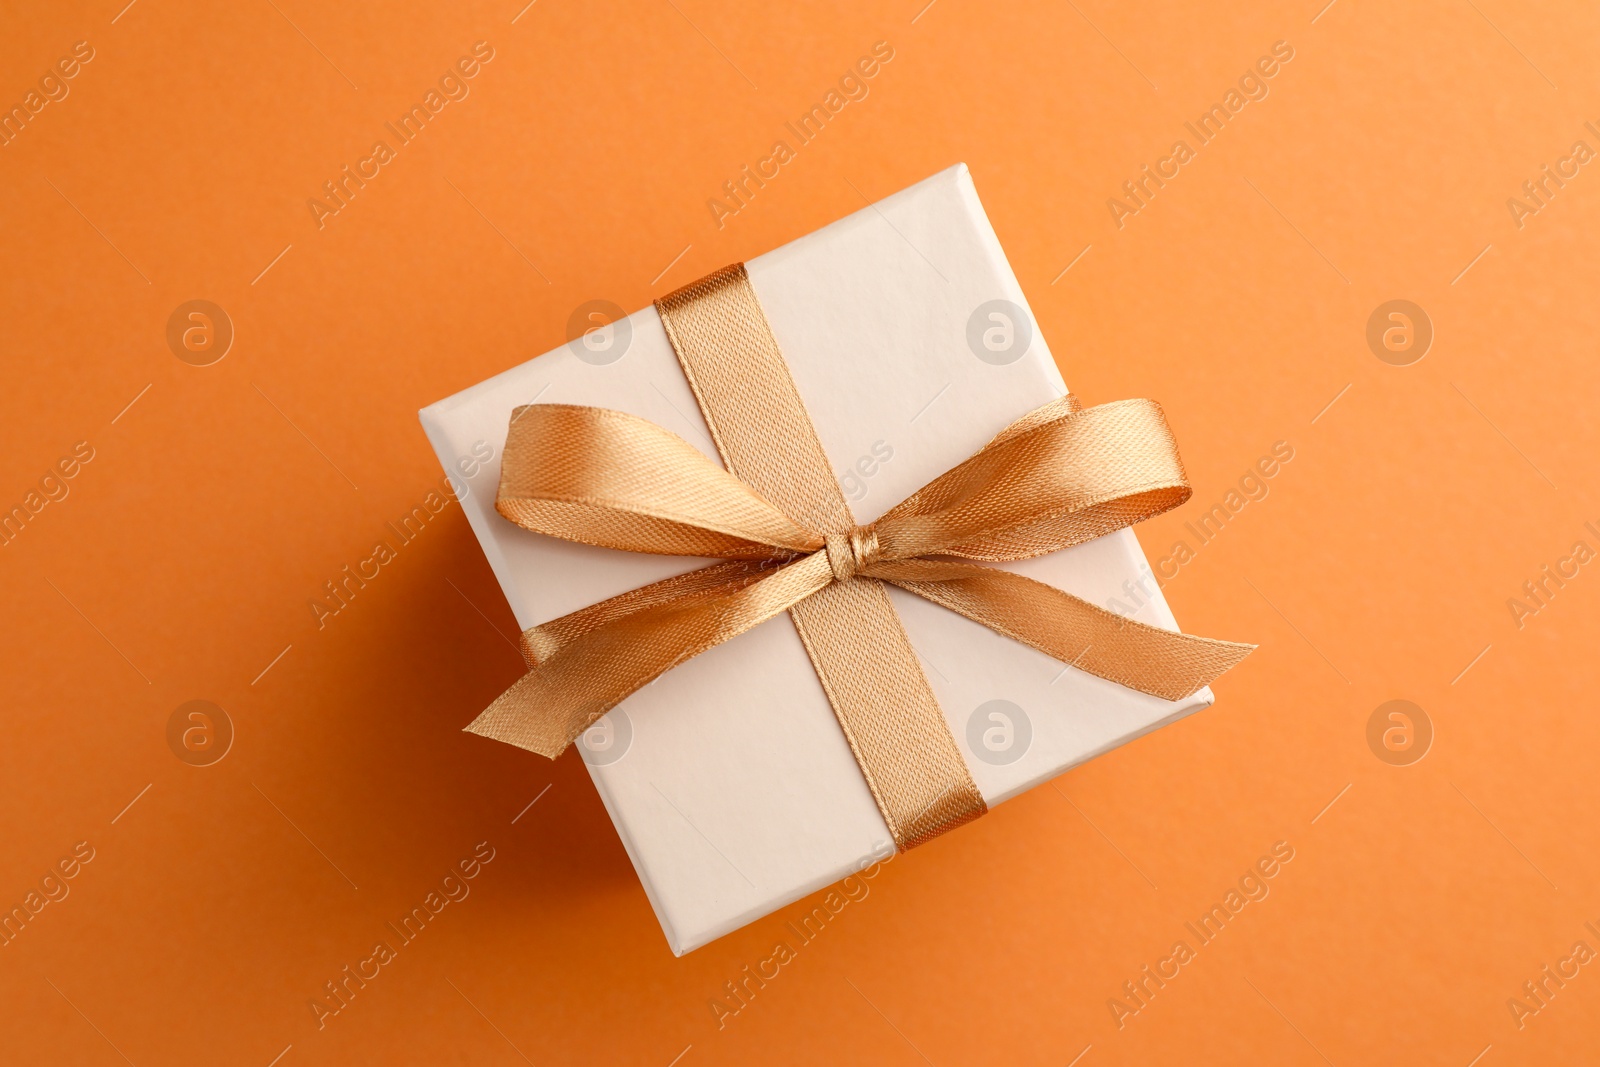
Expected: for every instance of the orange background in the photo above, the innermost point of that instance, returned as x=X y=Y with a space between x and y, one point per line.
x=182 y=561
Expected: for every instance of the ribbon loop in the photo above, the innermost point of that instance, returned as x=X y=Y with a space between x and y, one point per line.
x=615 y=480
x=1057 y=477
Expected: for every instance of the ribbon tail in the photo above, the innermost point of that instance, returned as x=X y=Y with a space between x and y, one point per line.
x=588 y=662
x=1163 y=663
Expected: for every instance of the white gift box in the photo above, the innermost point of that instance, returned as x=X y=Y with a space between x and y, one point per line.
x=729 y=779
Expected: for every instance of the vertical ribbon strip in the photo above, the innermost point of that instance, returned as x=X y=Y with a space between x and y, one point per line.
x=850 y=629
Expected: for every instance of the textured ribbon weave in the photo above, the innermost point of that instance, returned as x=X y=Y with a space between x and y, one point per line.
x=776 y=517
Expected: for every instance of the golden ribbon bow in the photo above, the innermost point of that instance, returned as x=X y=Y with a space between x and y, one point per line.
x=1059 y=476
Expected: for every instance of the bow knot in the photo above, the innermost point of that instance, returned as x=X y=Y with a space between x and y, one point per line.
x=851 y=553
x=1057 y=477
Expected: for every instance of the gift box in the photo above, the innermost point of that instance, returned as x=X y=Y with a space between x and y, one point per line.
x=729 y=779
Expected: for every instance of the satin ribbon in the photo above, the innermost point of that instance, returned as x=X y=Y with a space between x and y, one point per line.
x=1059 y=476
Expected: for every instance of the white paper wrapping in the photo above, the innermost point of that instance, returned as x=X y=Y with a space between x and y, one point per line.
x=729 y=779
